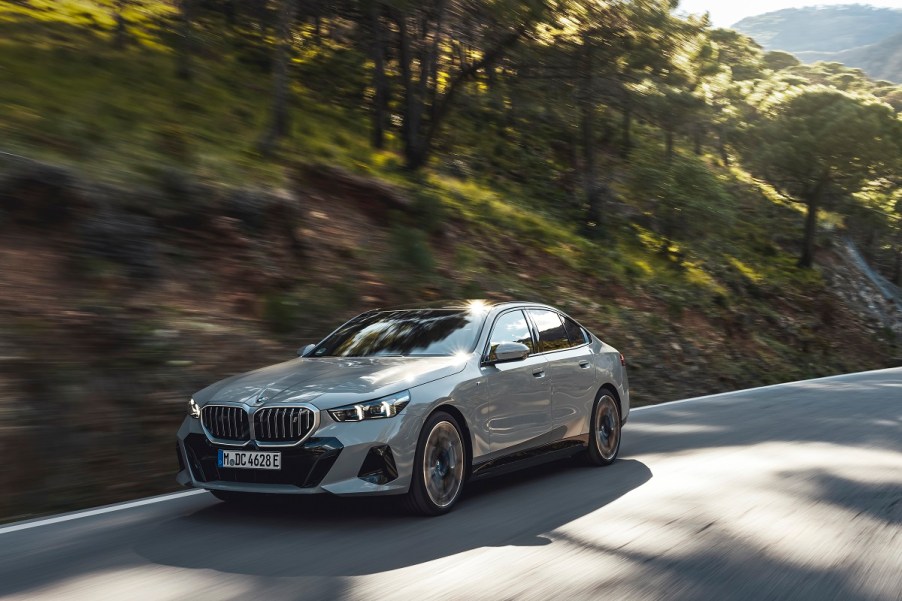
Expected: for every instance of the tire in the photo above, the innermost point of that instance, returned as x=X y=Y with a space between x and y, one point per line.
x=439 y=468
x=604 y=431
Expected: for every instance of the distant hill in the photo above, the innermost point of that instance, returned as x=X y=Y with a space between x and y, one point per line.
x=882 y=60
x=856 y=35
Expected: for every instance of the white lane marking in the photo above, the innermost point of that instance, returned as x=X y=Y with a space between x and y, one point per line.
x=100 y=510
x=667 y=404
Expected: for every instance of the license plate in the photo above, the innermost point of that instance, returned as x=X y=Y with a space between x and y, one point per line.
x=254 y=460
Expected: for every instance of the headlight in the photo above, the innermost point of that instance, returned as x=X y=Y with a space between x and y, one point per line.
x=193 y=409
x=388 y=406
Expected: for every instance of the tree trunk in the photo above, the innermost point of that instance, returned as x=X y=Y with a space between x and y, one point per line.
x=668 y=140
x=121 y=33
x=184 y=68
x=813 y=200
x=380 y=81
x=422 y=95
x=408 y=124
x=426 y=106
x=722 y=147
x=807 y=258
x=587 y=109
x=626 y=132
x=228 y=11
x=897 y=266
x=279 y=122
x=317 y=25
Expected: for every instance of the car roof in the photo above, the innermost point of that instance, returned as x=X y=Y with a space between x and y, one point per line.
x=457 y=304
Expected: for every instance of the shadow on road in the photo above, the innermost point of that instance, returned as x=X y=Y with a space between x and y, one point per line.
x=330 y=536
x=748 y=418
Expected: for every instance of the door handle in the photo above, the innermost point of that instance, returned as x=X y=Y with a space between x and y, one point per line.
x=584 y=364
x=539 y=373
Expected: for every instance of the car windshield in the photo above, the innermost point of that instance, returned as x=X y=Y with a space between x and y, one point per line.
x=416 y=333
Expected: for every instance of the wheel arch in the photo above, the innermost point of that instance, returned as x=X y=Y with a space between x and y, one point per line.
x=465 y=430
x=608 y=387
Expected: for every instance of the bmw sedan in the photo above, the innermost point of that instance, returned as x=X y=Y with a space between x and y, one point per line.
x=411 y=402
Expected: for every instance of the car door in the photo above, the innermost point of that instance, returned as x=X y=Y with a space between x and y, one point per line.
x=517 y=414
x=571 y=368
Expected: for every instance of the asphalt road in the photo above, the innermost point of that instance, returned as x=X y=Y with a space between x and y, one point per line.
x=789 y=492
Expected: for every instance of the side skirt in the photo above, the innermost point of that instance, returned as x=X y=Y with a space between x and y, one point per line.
x=519 y=460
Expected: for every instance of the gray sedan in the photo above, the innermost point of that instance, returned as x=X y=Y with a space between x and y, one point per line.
x=412 y=402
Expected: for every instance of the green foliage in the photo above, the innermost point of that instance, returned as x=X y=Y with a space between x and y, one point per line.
x=428 y=211
x=280 y=312
x=411 y=253
x=817 y=137
x=289 y=313
x=777 y=60
x=510 y=163
x=685 y=198
x=335 y=74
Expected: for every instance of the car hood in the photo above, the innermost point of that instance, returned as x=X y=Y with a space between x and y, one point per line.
x=338 y=380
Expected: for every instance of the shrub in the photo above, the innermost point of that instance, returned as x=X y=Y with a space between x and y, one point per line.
x=685 y=197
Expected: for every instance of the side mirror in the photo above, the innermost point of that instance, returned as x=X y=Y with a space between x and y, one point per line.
x=507 y=352
x=302 y=352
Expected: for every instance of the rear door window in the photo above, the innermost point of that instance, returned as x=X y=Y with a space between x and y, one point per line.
x=552 y=336
x=575 y=333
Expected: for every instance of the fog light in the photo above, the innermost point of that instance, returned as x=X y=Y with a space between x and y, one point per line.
x=379 y=466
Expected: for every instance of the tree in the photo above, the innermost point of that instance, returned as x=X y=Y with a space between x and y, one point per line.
x=378 y=49
x=734 y=64
x=611 y=45
x=816 y=142
x=278 y=126
x=777 y=60
x=672 y=93
x=184 y=68
x=874 y=218
x=684 y=197
x=442 y=45
x=118 y=16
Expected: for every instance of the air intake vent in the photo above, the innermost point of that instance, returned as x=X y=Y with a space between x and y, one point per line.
x=226 y=423
x=282 y=424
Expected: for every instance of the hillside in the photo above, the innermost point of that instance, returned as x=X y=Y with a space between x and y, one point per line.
x=855 y=35
x=882 y=60
x=822 y=28
x=150 y=245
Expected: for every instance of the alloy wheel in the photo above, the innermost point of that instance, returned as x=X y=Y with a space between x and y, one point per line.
x=443 y=464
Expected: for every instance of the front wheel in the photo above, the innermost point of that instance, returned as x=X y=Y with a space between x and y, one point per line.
x=604 y=432
x=439 y=467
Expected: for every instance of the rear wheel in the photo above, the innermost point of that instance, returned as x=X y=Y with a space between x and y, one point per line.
x=439 y=466
x=604 y=432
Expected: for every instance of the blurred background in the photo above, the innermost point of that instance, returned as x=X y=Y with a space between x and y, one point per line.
x=194 y=188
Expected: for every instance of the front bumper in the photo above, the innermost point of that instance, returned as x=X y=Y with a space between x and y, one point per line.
x=303 y=466
x=361 y=458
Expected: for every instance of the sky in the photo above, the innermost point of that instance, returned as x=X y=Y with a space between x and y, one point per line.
x=725 y=13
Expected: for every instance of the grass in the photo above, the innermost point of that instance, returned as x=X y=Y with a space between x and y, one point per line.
x=69 y=96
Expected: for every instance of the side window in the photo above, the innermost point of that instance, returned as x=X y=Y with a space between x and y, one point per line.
x=552 y=336
x=576 y=334
x=510 y=327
